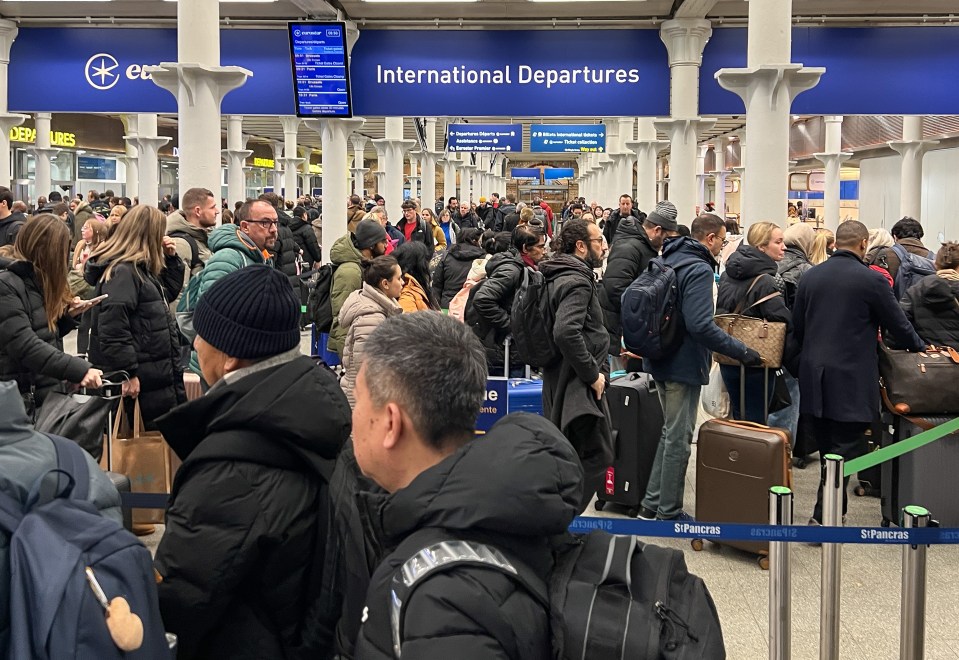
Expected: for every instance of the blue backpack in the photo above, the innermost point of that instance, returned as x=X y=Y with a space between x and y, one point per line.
x=912 y=268
x=54 y=613
x=651 y=311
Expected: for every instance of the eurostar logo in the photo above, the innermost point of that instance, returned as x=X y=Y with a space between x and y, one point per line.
x=101 y=71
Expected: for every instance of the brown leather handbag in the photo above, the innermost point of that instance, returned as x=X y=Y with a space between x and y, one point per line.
x=765 y=337
x=925 y=383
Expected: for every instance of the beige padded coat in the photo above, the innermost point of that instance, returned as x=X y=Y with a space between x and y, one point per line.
x=361 y=313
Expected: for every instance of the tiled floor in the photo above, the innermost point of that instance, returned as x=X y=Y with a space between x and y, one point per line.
x=871 y=583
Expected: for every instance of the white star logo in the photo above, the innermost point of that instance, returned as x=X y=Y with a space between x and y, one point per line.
x=101 y=66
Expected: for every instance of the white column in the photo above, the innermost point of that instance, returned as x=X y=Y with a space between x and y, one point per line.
x=277 y=148
x=148 y=145
x=720 y=174
x=701 y=175
x=236 y=154
x=684 y=39
x=380 y=181
x=414 y=177
x=42 y=152
x=624 y=156
x=131 y=159
x=833 y=158
x=430 y=158
x=911 y=148
x=391 y=151
x=466 y=178
x=8 y=33
x=199 y=83
x=290 y=160
x=359 y=165
x=449 y=176
x=333 y=134
x=768 y=85
x=661 y=178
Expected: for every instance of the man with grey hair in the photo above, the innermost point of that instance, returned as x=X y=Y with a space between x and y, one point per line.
x=519 y=485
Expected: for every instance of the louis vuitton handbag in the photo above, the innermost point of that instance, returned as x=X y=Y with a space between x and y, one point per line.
x=765 y=337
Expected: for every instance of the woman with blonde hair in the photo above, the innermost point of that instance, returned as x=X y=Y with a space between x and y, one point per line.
x=751 y=275
x=821 y=246
x=92 y=234
x=133 y=329
x=37 y=310
x=116 y=213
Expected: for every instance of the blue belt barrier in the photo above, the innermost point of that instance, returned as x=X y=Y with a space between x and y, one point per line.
x=760 y=533
x=144 y=500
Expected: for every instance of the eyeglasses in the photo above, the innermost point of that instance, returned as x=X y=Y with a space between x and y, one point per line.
x=596 y=240
x=265 y=223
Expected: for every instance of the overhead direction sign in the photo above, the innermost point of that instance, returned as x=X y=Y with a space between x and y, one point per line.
x=485 y=137
x=567 y=138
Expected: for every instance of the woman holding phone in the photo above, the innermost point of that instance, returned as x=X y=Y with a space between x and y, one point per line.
x=133 y=329
x=37 y=311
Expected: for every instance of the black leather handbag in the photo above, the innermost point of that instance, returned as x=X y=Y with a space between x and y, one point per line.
x=79 y=417
x=922 y=383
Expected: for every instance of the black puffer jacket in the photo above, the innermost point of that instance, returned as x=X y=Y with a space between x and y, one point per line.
x=932 y=306
x=743 y=267
x=629 y=256
x=285 y=249
x=452 y=271
x=612 y=223
x=504 y=211
x=134 y=331
x=305 y=239
x=793 y=266
x=29 y=352
x=493 y=302
x=513 y=489
x=242 y=524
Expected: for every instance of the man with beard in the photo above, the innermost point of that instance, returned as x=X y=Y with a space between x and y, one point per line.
x=574 y=386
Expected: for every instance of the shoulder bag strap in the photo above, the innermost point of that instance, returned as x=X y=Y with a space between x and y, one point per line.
x=72 y=459
x=739 y=308
x=761 y=301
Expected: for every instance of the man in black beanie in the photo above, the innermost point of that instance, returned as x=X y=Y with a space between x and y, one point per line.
x=248 y=519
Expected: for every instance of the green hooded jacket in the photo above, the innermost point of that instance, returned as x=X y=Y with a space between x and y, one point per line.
x=347 y=279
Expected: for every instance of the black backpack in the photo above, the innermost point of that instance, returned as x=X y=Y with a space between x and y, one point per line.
x=531 y=321
x=607 y=596
x=8 y=233
x=650 y=313
x=319 y=303
x=195 y=261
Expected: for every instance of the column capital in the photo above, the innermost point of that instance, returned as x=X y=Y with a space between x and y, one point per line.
x=828 y=159
x=290 y=163
x=146 y=142
x=687 y=129
x=41 y=152
x=8 y=34
x=910 y=148
x=10 y=119
x=780 y=82
x=242 y=154
x=220 y=80
x=290 y=124
x=383 y=145
x=685 y=39
x=359 y=141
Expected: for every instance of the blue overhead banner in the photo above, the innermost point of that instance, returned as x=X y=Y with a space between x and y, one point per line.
x=553 y=173
x=567 y=138
x=885 y=70
x=466 y=73
x=524 y=172
x=484 y=137
x=462 y=73
x=101 y=70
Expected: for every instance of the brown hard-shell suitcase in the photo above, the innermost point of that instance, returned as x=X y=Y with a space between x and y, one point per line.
x=736 y=465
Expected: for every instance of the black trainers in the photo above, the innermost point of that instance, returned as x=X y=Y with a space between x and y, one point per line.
x=646 y=514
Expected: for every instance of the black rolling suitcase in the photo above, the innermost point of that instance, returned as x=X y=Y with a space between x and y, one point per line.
x=922 y=476
x=636 y=417
x=870 y=481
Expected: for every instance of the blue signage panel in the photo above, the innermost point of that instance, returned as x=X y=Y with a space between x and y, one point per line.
x=553 y=173
x=103 y=68
x=516 y=73
x=886 y=70
x=321 y=70
x=494 y=404
x=524 y=172
x=104 y=169
x=484 y=137
x=567 y=138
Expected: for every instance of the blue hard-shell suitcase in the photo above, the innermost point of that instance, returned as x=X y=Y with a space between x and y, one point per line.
x=318 y=348
x=525 y=395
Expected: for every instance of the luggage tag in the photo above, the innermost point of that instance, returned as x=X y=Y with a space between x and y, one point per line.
x=126 y=628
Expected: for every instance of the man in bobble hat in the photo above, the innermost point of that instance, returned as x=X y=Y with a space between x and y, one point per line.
x=347 y=254
x=248 y=511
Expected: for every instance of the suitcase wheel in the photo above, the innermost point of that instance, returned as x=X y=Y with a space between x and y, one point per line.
x=860 y=491
x=886 y=522
x=599 y=505
x=764 y=562
x=697 y=544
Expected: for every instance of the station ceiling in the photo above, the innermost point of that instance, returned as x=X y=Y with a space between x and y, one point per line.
x=480 y=14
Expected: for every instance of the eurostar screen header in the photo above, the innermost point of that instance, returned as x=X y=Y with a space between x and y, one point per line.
x=321 y=69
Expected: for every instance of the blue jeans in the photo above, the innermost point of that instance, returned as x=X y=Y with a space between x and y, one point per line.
x=667 y=481
x=788 y=417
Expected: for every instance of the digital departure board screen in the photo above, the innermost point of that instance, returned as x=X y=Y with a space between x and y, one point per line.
x=321 y=69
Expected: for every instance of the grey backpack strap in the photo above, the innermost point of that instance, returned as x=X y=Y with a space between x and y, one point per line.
x=449 y=555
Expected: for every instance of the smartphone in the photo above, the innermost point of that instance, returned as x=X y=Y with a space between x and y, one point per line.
x=94 y=301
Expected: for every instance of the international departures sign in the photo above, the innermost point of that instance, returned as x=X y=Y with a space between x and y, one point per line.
x=463 y=73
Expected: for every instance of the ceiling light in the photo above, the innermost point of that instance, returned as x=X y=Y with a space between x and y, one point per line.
x=424 y=2
x=225 y=1
x=587 y=0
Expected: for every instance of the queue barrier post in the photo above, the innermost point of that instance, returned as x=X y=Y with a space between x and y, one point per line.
x=831 y=559
x=912 y=631
x=780 y=584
